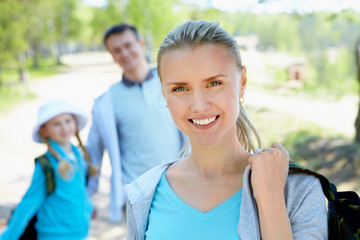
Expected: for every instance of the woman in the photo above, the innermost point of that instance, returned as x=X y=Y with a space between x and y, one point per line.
x=220 y=190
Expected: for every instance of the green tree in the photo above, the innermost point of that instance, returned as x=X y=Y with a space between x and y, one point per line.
x=102 y=18
x=154 y=19
x=12 y=32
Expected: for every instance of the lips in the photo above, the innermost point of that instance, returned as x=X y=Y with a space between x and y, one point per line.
x=203 y=122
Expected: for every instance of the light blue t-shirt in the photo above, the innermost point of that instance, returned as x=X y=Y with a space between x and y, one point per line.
x=172 y=218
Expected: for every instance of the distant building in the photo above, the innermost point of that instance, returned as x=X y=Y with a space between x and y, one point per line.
x=296 y=71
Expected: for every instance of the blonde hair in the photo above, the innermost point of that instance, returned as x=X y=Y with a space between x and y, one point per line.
x=64 y=166
x=192 y=34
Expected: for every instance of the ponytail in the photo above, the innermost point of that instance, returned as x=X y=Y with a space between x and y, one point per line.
x=93 y=171
x=64 y=166
x=245 y=131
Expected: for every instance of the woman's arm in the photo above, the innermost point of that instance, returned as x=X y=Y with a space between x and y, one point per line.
x=268 y=178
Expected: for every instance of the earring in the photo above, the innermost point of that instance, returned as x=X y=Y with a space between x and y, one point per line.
x=241 y=100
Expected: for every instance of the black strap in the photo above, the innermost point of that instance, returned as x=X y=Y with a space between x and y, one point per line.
x=345 y=204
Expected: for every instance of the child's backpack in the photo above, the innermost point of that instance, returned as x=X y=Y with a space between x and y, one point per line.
x=30 y=231
x=343 y=207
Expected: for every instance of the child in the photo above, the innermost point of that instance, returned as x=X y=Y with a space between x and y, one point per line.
x=66 y=212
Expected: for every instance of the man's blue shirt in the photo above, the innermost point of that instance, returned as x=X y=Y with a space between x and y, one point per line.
x=146 y=132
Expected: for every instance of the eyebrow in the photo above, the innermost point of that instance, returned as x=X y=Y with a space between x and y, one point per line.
x=205 y=80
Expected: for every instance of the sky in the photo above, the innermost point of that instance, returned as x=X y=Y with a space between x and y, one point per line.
x=270 y=6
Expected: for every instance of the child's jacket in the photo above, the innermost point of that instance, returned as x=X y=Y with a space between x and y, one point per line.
x=64 y=214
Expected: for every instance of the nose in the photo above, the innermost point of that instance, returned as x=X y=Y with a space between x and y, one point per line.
x=124 y=53
x=63 y=127
x=200 y=102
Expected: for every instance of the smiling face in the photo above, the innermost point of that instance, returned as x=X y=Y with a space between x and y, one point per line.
x=60 y=129
x=202 y=87
x=126 y=50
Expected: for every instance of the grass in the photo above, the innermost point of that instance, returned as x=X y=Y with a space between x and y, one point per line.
x=48 y=67
x=13 y=92
x=332 y=154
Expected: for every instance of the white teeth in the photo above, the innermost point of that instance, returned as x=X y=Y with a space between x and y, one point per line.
x=204 y=122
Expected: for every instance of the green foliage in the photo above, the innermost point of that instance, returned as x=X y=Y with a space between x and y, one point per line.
x=33 y=28
x=332 y=72
x=244 y=22
x=326 y=39
x=154 y=19
x=324 y=150
x=279 y=75
x=48 y=67
x=286 y=129
x=103 y=18
x=12 y=32
x=41 y=29
x=278 y=31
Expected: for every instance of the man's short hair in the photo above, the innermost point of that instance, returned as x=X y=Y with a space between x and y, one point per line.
x=119 y=29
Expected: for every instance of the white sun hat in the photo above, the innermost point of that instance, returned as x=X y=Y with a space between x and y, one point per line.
x=54 y=108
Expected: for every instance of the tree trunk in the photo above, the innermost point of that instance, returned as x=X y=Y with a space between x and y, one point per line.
x=357 y=121
x=22 y=70
x=36 y=49
x=1 y=83
x=59 y=46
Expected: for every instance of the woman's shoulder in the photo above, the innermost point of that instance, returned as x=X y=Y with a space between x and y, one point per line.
x=145 y=184
x=301 y=182
x=301 y=186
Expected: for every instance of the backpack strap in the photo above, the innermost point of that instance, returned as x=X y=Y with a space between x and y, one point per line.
x=48 y=172
x=325 y=183
x=87 y=173
x=343 y=207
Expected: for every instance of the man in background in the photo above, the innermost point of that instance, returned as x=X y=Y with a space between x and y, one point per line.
x=130 y=120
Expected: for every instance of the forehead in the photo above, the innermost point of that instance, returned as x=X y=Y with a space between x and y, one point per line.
x=121 y=38
x=61 y=117
x=204 y=60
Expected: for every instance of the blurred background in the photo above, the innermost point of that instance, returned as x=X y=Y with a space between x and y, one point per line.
x=302 y=58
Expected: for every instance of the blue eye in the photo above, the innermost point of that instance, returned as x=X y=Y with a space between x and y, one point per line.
x=214 y=83
x=179 y=89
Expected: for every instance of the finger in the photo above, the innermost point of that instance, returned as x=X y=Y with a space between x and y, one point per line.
x=279 y=147
x=282 y=150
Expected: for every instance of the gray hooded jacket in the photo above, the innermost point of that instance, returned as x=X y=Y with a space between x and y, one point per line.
x=304 y=197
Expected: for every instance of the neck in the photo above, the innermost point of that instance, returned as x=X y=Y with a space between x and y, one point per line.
x=66 y=147
x=139 y=73
x=218 y=159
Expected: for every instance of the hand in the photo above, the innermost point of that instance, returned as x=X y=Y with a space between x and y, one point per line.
x=94 y=214
x=269 y=171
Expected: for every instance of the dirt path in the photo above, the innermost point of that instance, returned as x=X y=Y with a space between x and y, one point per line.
x=88 y=77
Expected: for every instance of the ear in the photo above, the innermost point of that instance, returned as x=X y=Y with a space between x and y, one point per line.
x=142 y=42
x=243 y=82
x=42 y=131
